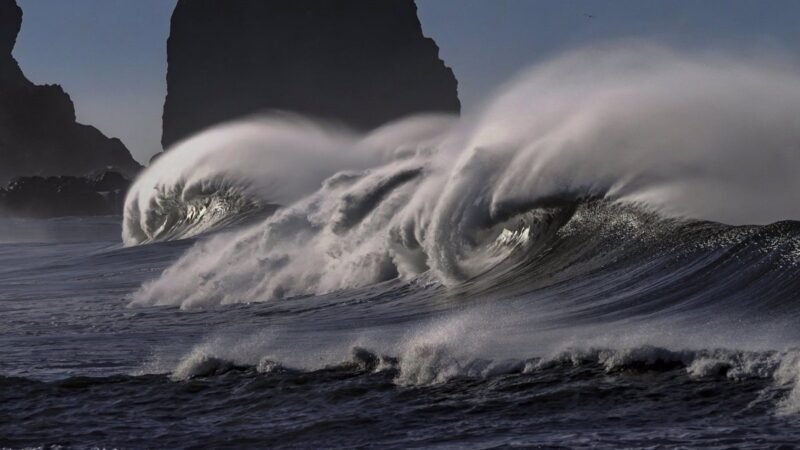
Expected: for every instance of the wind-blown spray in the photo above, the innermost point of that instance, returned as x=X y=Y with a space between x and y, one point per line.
x=694 y=137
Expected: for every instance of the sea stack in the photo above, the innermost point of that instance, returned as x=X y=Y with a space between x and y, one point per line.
x=38 y=131
x=360 y=63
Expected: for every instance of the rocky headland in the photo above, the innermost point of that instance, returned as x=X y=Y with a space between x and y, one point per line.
x=46 y=156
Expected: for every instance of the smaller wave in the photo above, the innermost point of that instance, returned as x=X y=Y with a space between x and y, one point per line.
x=781 y=367
x=432 y=364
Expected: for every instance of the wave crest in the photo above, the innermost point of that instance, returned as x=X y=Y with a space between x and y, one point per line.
x=697 y=136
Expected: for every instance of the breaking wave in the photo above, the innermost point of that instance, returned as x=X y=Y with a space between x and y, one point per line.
x=673 y=137
x=420 y=365
x=236 y=169
x=618 y=207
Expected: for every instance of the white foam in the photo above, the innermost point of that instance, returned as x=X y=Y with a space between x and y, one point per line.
x=705 y=136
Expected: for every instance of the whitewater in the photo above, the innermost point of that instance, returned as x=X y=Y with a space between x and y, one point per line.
x=606 y=253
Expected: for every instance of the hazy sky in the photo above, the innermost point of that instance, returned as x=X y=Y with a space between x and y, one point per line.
x=110 y=55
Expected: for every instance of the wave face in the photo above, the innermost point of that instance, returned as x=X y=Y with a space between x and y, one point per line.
x=683 y=137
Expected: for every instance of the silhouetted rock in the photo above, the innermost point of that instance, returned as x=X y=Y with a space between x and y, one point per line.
x=102 y=194
x=38 y=131
x=10 y=22
x=357 y=62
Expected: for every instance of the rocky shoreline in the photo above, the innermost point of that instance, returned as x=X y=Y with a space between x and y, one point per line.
x=45 y=197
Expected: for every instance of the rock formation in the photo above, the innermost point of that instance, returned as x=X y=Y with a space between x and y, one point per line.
x=38 y=131
x=357 y=62
x=38 y=197
x=10 y=22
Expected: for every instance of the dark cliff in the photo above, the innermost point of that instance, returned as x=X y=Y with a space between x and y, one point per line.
x=10 y=22
x=357 y=62
x=38 y=131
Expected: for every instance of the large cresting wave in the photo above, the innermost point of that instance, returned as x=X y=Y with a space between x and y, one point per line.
x=639 y=141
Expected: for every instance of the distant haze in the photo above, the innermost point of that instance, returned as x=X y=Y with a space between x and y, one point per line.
x=110 y=55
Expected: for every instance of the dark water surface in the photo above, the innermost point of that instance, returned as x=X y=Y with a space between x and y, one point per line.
x=350 y=406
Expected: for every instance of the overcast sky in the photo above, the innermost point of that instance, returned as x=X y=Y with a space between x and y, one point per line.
x=110 y=55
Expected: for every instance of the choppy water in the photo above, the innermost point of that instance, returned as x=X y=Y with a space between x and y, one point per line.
x=629 y=351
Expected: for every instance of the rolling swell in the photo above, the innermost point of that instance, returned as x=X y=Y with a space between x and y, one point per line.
x=547 y=405
x=661 y=264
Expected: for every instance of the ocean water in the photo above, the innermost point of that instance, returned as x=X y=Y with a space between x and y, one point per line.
x=593 y=353
x=606 y=255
